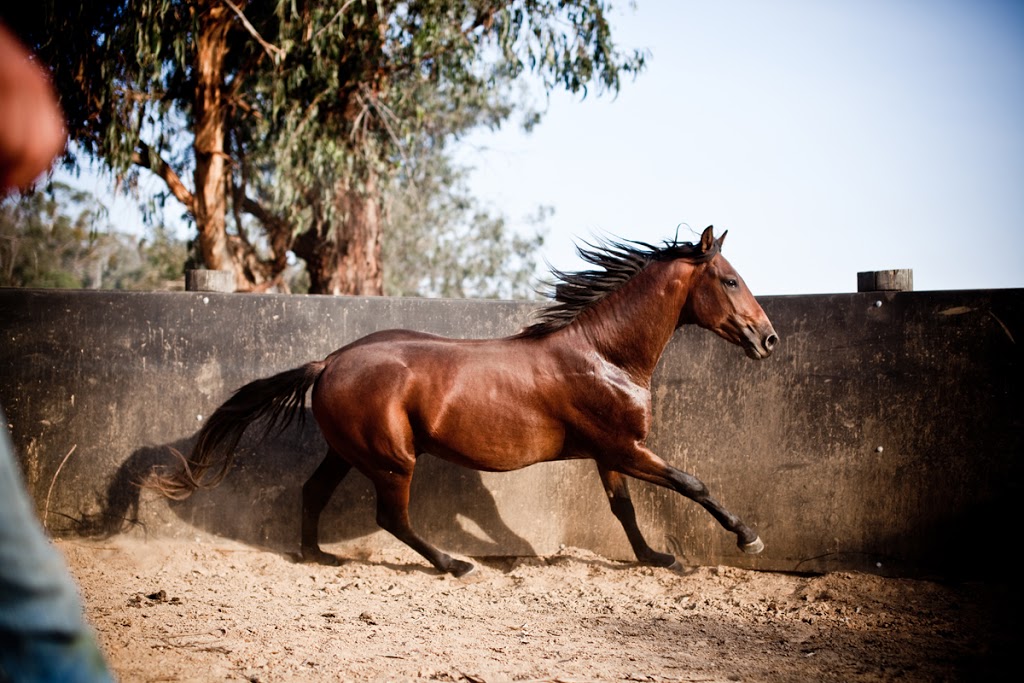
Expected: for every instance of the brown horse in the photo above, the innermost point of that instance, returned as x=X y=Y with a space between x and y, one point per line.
x=575 y=384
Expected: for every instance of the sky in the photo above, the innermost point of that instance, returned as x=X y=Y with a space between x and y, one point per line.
x=828 y=137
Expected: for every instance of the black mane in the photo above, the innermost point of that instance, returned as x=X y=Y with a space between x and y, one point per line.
x=619 y=261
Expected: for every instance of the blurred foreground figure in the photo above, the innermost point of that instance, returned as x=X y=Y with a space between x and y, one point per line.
x=31 y=123
x=43 y=636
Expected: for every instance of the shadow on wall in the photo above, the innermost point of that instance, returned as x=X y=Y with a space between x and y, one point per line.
x=259 y=501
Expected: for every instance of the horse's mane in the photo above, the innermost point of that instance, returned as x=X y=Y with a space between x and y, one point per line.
x=620 y=262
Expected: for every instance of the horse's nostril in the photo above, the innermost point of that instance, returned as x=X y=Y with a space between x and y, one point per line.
x=770 y=341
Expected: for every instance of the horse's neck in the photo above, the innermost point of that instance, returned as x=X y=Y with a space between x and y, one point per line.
x=632 y=326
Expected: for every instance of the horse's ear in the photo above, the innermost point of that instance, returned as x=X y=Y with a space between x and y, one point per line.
x=721 y=239
x=707 y=240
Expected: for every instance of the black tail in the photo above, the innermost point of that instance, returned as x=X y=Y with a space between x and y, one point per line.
x=277 y=400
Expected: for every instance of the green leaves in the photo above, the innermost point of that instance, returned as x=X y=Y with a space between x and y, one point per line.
x=313 y=96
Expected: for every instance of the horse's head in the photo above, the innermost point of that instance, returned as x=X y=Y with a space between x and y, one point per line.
x=719 y=301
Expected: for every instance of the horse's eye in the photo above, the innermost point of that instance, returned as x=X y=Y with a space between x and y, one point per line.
x=731 y=283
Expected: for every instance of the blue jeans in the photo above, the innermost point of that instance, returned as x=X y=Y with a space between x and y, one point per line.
x=43 y=636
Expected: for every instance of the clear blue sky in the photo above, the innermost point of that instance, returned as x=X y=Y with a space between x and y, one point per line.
x=828 y=137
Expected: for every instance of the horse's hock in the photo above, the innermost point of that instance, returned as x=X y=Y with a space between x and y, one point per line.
x=883 y=435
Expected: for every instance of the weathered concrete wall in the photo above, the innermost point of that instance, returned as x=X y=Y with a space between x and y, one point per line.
x=884 y=435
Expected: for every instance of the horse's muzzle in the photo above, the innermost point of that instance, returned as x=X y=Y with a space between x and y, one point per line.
x=760 y=342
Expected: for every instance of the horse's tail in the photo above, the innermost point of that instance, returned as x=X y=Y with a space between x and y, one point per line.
x=277 y=400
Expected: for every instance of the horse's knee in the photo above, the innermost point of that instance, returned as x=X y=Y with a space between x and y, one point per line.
x=689 y=485
x=622 y=507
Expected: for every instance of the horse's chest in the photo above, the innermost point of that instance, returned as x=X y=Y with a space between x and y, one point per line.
x=617 y=402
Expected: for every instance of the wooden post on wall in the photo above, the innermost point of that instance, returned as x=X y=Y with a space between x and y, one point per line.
x=200 y=280
x=896 y=280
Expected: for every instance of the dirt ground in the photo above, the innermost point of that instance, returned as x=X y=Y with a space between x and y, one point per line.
x=216 y=610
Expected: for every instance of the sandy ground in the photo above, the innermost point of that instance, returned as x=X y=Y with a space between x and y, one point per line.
x=217 y=610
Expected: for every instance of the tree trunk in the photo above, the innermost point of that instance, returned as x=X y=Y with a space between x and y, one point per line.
x=210 y=112
x=345 y=258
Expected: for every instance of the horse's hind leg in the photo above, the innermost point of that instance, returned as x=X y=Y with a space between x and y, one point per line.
x=315 y=493
x=616 y=487
x=393 y=516
x=647 y=466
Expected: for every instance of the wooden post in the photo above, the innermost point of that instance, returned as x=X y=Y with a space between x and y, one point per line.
x=209 y=281
x=897 y=280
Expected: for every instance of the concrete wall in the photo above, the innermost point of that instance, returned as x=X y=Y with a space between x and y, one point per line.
x=885 y=434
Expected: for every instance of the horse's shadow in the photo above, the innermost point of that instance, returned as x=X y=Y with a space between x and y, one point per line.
x=259 y=501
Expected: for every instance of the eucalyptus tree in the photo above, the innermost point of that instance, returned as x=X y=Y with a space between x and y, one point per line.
x=441 y=241
x=279 y=125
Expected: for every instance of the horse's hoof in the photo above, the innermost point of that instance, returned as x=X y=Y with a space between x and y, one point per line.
x=676 y=567
x=754 y=547
x=317 y=556
x=460 y=569
x=660 y=560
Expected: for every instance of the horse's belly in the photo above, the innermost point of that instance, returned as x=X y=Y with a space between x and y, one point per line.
x=495 y=440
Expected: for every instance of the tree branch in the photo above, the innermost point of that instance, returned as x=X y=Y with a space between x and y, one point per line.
x=279 y=231
x=145 y=157
x=334 y=18
x=273 y=51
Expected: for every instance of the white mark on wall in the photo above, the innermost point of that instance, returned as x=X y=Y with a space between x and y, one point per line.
x=209 y=379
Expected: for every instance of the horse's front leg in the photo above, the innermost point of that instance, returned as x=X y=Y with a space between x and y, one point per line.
x=616 y=487
x=644 y=464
